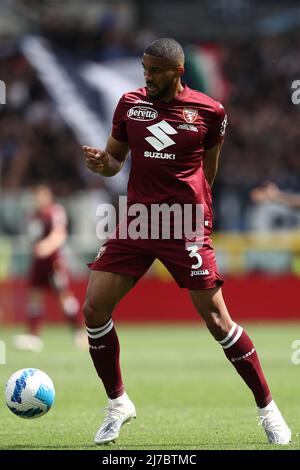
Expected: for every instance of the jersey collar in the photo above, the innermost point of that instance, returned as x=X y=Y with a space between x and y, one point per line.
x=181 y=97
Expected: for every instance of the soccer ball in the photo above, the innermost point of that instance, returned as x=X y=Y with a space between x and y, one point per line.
x=29 y=393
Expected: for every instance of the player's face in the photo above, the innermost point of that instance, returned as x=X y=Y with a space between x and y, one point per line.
x=43 y=197
x=160 y=75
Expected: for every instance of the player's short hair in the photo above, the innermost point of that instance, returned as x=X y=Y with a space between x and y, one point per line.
x=166 y=48
x=42 y=186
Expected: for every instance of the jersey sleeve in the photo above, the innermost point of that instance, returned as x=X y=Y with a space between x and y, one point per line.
x=217 y=128
x=119 y=129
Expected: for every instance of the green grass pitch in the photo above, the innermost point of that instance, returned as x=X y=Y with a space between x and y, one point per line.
x=186 y=393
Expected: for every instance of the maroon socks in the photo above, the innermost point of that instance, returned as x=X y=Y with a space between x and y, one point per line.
x=241 y=352
x=105 y=352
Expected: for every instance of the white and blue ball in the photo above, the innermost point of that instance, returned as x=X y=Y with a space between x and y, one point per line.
x=29 y=393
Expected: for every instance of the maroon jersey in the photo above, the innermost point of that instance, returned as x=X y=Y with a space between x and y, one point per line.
x=167 y=143
x=43 y=222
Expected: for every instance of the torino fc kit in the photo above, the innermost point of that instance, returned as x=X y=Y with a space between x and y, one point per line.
x=167 y=143
x=50 y=271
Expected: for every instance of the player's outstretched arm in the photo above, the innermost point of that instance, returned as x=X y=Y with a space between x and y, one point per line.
x=106 y=162
x=271 y=193
x=211 y=162
x=52 y=243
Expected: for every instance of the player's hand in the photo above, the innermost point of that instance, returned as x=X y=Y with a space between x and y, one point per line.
x=96 y=160
x=41 y=250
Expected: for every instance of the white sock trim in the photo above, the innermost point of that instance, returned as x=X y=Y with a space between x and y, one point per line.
x=96 y=333
x=270 y=406
x=121 y=400
x=99 y=328
x=229 y=334
x=235 y=339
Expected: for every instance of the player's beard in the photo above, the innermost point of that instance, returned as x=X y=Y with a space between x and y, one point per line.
x=163 y=92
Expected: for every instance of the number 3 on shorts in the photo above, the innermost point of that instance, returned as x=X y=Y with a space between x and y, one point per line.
x=193 y=253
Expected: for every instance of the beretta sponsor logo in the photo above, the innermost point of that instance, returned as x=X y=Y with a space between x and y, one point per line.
x=142 y=113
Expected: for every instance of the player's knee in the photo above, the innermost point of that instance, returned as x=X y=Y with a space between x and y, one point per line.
x=95 y=314
x=90 y=312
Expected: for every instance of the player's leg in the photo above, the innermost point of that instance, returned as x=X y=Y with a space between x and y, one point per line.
x=70 y=307
x=38 y=282
x=105 y=290
x=60 y=283
x=35 y=311
x=117 y=267
x=194 y=267
x=31 y=341
x=236 y=344
x=69 y=304
x=241 y=352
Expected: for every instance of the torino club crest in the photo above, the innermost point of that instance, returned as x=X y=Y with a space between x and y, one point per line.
x=190 y=114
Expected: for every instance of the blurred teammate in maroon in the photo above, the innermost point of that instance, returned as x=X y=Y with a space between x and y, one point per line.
x=175 y=135
x=47 y=230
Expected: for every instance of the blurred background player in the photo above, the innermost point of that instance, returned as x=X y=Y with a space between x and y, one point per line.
x=47 y=229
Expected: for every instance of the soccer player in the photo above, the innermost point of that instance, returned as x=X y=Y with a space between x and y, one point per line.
x=47 y=229
x=270 y=192
x=175 y=136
